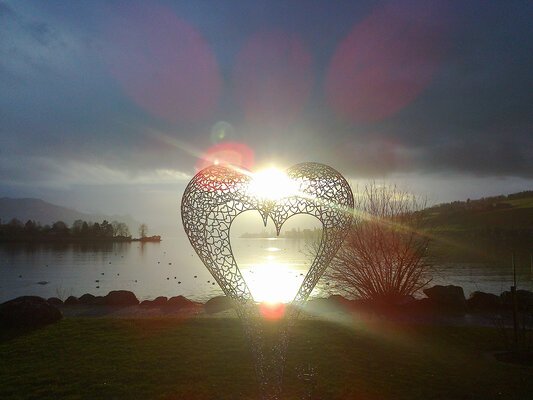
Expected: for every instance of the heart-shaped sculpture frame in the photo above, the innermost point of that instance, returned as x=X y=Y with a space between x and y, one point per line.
x=218 y=194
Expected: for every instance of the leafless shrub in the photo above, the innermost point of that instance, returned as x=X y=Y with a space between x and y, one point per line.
x=384 y=257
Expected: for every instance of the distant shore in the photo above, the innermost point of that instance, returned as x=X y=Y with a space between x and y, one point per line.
x=70 y=240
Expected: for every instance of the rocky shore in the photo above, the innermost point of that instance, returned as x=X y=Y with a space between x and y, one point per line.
x=442 y=305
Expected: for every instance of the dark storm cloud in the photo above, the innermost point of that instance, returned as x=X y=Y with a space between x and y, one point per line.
x=62 y=106
x=475 y=117
x=5 y=10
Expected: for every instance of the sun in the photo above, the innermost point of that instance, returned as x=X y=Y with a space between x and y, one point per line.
x=272 y=184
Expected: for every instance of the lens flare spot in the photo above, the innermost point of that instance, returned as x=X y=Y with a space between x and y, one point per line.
x=162 y=62
x=273 y=77
x=227 y=153
x=222 y=130
x=386 y=61
x=273 y=311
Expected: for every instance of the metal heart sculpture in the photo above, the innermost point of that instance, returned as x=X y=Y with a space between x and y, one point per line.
x=218 y=194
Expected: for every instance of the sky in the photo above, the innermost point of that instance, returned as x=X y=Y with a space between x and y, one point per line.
x=113 y=106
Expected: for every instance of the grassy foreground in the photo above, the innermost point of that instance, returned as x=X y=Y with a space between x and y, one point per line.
x=167 y=358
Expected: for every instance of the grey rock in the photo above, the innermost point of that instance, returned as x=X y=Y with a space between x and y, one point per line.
x=72 y=301
x=481 y=301
x=160 y=301
x=121 y=298
x=55 y=301
x=157 y=302
x=28 y=312
x=87 y=299
x=178 y=302
x=218 y=304
x=524 y=298
x=449 y=297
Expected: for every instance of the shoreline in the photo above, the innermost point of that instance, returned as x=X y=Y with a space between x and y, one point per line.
x=67 y=241
x=481 y=310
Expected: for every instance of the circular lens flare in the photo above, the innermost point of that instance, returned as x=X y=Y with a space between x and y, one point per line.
x=162 y=62
x=273 y=311
x=227 y=153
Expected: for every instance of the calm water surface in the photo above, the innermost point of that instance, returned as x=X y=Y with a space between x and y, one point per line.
x=172 y=268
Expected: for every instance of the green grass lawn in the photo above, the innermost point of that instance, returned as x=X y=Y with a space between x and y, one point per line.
x=167 y=358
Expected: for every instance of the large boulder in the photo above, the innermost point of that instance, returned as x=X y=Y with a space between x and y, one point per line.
x=160 y=301
x=28 y=312
x=341 y=301
x=157 y=302
x=87 y=299
x=178 y=302
x=420 y=306
x=72 y=301
x=524 y=298
x=449 y=298
x=120 y=298
x=55 y=301
x=481 y=301
x=218 y=304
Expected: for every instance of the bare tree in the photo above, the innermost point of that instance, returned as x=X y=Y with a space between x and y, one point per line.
x=384 y=256
x=143 y=230
x=120 y=229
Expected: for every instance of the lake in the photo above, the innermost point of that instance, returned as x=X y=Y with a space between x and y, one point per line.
x=171 y=268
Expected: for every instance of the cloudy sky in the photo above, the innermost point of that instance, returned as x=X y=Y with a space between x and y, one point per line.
x=113 y=106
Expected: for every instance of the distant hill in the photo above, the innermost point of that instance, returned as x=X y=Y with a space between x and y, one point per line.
x=508 y=212
x=47 y=213
x=489 y=228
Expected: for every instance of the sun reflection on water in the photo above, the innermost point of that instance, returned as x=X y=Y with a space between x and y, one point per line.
x=273 y=282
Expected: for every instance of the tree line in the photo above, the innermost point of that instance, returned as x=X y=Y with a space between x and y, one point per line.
x=86 y=230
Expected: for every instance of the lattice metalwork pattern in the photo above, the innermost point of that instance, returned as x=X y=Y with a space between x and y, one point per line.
x=218 y=194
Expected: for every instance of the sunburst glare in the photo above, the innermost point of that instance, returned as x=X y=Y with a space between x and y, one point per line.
x=272 y=184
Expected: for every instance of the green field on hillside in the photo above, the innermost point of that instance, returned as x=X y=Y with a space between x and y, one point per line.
x=484 y=230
